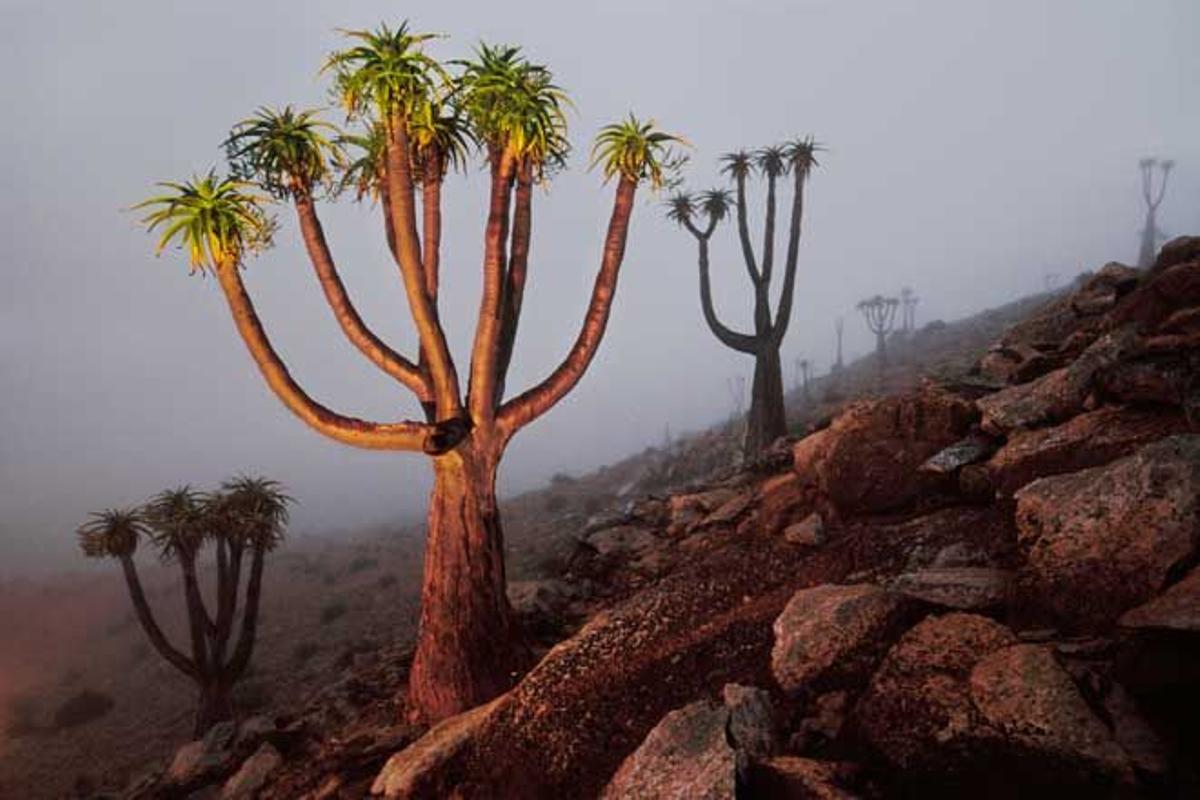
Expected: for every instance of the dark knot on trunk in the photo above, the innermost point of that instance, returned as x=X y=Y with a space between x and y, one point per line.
x=447 y=434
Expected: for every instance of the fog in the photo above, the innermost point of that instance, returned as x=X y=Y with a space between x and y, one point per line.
x=973 y=148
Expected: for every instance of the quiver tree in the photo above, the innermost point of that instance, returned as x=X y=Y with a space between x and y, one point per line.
x=880 y=315
x=416 y=121
x=1151 y=234
x=241 y=523
x=804 y=376
x=908 y=310
x=699 y=215
x=838 y=325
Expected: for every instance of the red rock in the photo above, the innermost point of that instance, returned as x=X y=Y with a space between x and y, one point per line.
x=423 y=769
x=1157 y=298
x=1088 y=440
x=867 y=460
x=686 y=757
x=1102 y=540
x=782 y=500
x=1177 y=251
x=832 y=636
x=809 y=532
x=795 y=778
x=961 y=588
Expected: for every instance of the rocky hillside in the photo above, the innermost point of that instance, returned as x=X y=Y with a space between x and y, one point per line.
x=971 y=573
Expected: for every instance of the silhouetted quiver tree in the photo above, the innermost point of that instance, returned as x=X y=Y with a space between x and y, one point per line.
x=908 y=310
x=1151 y=235
x=242 y=522
x=880 y=315
x=700 y=214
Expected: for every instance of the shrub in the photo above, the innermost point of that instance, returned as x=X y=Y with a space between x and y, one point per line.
x=22 y=716
x=561 y=479
x=556 y=503
x=388 y=581
x=332 y=611
x=81 y=708
x=251 y=696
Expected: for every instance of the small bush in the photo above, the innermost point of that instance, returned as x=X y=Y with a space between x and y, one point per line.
x=561 y=479
x=388 y=581
x=594 y=505
x=81 y=708
x=333 y=611
x=556 y=503
x=304 y=652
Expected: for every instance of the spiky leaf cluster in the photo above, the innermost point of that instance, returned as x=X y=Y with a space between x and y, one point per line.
x=112 y=533
x=638 y=151
x=385 y=73
x=218 y=221
x=284 y=150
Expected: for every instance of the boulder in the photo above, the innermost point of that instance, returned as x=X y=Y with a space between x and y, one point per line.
x=808 y=532
x=1057 y=395
x=687 y=756
x=1088 y=440
x=1101 y=291
x=961 y=588
x=918 y=704
x=1016 y=363
x=252 y=775
x=1023 y=694
x=688 y=511
x=782 y=500
x=1179 y=250
x=204 y=760
x=958 y=700
x=1176 y=609
x=830 y=636
x=729 y=511
x=867 y=460
x=824 y=717
x=1102 y=540
x=1157 y=298
x=1153 y=379
x=425 y=768
x=622 y=540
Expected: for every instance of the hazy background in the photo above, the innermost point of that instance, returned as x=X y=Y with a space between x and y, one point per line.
x=974 y=147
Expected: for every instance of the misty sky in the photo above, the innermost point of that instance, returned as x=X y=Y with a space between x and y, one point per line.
x=973 y=148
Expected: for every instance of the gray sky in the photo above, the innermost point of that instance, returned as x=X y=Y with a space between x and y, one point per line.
x=973 y=147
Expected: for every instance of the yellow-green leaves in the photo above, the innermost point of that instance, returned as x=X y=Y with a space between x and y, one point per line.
x=637 y=151
x=216 y=220
x=285 y=151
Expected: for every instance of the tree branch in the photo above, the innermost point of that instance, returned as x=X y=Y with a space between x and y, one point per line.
x=529 y=405
x=245 y=644
x=485 y=352
x=408 y=257
x=146 y=617
x=744 y=231
x=783 y=316
x=514 y=279
x=768 y=252
x=741 y=342
x=405 y=435
x=343 y=309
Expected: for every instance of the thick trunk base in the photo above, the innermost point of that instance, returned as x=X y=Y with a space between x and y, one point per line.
x=768 y=418
x=214 y=705
x=468 y=647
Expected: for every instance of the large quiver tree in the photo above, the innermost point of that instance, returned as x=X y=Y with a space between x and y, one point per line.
x=416 y=120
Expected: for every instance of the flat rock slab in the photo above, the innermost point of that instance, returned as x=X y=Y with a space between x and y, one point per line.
x=961 y=588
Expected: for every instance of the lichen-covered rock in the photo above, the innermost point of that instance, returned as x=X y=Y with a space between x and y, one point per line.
x=782 y=500
x=687 y=756
x=831 y=636
x=1102 y=540
x=967 y=451
x=867 y=460
x=808 y=532
x=1088 y=440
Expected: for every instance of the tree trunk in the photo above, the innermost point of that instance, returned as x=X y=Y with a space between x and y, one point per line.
x=468 y=646
x=768 y=419
x=1146 y=251
x=881 y=349
x=214 y=705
